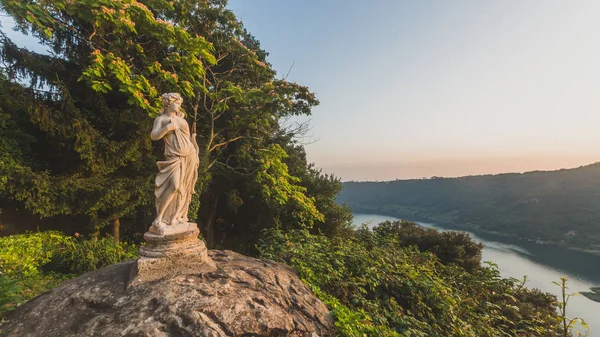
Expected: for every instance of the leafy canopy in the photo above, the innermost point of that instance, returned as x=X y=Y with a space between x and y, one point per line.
x=130 y=45
x=74 y=121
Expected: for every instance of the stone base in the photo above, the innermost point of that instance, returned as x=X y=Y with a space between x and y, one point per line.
x=178 y=253
x=182 y=240
x=181 y=227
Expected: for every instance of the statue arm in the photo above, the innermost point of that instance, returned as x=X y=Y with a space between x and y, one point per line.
x=159 y=130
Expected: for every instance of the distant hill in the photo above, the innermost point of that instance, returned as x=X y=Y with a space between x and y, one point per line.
x=560 y=207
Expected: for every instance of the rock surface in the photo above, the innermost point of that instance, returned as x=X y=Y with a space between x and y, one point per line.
x=243 y=297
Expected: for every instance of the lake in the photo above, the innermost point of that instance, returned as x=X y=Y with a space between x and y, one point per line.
x=541 y=263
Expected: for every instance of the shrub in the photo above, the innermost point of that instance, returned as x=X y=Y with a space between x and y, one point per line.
x=8 y=293
x=78 y=257
x=450 y=247
x=378 y=287
x=22 y=260
x=33 y=263
x=23 y=255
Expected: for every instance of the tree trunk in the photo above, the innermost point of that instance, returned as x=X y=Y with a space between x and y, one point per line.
x=116 y=228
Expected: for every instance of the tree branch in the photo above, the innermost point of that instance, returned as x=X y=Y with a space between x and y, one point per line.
x=289 y=70
x=238 y=170
x=225 y=143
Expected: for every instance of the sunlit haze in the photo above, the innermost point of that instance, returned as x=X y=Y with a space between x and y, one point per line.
x=440 y=88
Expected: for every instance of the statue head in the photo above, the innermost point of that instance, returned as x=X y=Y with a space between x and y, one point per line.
x=172 y=103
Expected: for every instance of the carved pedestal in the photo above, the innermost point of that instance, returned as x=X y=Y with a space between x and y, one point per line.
x=171 y=250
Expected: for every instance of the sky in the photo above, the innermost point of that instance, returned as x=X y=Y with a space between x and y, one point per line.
x=413 y=89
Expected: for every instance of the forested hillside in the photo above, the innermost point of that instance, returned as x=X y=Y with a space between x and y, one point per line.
x=561 y=207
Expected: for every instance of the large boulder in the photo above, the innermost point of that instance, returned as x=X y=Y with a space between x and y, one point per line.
x=243 y=297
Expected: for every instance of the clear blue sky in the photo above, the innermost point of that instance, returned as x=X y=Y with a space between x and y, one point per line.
x=446 y=88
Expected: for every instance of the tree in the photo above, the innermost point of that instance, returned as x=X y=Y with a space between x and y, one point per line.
x=250 y=185
x=84 y=106
x=321 y=186
x=83 y=111
x=451 y=247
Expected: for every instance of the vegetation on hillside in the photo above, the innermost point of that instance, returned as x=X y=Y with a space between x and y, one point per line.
x=561 y=207
x=380 y=285
x=375 y=282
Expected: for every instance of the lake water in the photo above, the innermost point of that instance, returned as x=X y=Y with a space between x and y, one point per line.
x=541 y=263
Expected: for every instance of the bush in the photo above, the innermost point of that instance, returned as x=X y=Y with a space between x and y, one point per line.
x=8 y=293
x=450 y=247
x=23 y=255
x=33 y=263
x=78 y=257
x=378 y=287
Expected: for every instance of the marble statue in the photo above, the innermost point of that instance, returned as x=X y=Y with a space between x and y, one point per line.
x=172 y=244
x=178 y=173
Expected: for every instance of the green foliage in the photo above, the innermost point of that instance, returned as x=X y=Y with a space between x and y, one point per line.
x=560 y=207
x=24 y=255
x=352 y=323
x=378 y=286
x=74 y=123
x=254 y=182
x=8 y=293
x=82 y=111
x=324 y=188
x=280 y=189
x=450 y=247
x=568 y=324
x=245 y=200
x=78 y=257
x=33 y=263
x=115 y=35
